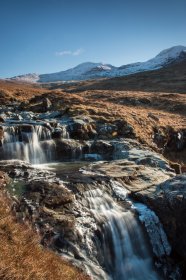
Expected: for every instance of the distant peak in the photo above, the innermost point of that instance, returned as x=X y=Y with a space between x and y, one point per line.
x=172 y=52
x=87 y=64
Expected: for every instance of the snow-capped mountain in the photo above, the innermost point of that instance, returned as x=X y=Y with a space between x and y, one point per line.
x=83 y=71
x=164 y=58
x=89 y=70
x=27 y=78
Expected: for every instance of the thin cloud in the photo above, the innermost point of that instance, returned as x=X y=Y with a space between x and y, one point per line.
x=69 y=52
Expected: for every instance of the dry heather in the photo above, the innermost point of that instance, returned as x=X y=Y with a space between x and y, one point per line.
x=143 y=110
x=22 y=258
x=11 y=91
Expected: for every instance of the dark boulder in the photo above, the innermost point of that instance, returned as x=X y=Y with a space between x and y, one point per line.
x=47 y=104
x=48 y=194
x=2 y=119
x=81 y=129
x=67 y=148
x=102 y=147
x=124 y=129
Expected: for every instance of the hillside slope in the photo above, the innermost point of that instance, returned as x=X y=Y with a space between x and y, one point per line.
x=169 y=79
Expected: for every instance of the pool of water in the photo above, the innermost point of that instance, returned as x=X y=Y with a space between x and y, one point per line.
x=63 y=169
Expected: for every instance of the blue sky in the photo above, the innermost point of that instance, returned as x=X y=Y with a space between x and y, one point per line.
x=45 y=36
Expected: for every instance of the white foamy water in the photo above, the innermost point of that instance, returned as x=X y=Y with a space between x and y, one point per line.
x=121 y=240
x=27 y=144
x=114 y=244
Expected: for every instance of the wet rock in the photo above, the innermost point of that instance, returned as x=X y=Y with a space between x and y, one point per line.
x=81 y=129
x=18 y=169
x=47 y=104
x=176 y=166
x=175 y=140
x=51 y=205
x=102 y=147
x=51 y=115
x=131 y=150
x=168 y=200
x=7 y=165
x=107 y=131
x=59 y=133
x=68 y=148
x=17 y=117
x=48 y=194
x=2 y=119
x=1 y=133
x=133 y=176
x=27 y=115
x=120 y=128
x=23 y=105
x=48 y=205
x=150 y=160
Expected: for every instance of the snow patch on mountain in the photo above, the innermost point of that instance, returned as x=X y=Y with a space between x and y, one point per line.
x=161 y=60
x=28 y=78
x=90 y=70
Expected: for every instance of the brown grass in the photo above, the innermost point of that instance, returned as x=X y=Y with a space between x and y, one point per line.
x=14 y=91
x=21 y=256
x=108 y=105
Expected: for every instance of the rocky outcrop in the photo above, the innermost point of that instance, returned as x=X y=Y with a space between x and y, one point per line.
x=57 y=208
x=2 y=119
x=102 y=147
x=68 y=148
x=168 y=200
x=47 y=104
x=48 y=194
x=124 y=129
x=172 y=143
x=82 y=128
x=38 y=104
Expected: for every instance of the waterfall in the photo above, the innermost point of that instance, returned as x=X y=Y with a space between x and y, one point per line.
x=110 y=242
x=26 y=142
x=120 y=239
x=117 y=245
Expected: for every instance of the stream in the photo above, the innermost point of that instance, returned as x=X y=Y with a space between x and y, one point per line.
x=119 y=239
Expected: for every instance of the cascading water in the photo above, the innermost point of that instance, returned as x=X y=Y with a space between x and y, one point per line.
x=26 y=143
x=117 y=245
x=114 y=245
x=120 y=241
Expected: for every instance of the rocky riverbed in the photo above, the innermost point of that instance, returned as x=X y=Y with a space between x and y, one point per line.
x=97 y=196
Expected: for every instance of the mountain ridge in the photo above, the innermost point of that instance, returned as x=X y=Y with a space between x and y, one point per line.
x=91 y=70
